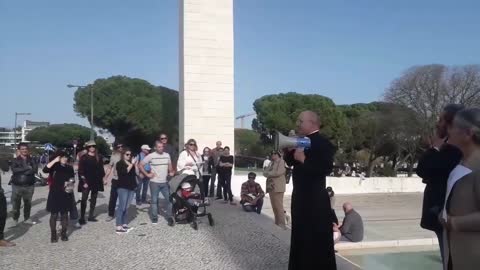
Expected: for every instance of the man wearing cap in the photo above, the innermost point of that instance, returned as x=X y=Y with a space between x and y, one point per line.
x=112 y=172
x=252 y=195
x=143 y=180
x=91 y=173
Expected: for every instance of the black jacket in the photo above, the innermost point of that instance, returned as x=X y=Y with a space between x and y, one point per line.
x=434 y=168
x=24 y=171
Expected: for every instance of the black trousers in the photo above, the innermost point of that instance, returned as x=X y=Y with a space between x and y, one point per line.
x=206 y=179
x=113 y=198
x=83 y=204
x=226 y=182
x=3 y=214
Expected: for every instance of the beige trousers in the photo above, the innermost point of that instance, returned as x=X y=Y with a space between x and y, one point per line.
x=276 y=199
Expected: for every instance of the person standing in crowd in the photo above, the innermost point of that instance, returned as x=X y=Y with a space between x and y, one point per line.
x=434 y=167
x=161 y=167
x=207 y=169
x=112 y=173
x=143 y=180
x=276 y=185
x=60 y=194
x=252 y=195
x=169 y=149
x=266 y=163
x=127 y=183
x=3 y=218
x=91 y=175
x=311 y=244
x=189 y=160
x=461 y=212
x=225 y=165
x=23 y=183
x=331 y=194
x=217 y=152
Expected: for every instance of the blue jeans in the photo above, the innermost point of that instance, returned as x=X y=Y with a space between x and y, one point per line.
x=142 y=184
x=155 y=189
x=125 y=197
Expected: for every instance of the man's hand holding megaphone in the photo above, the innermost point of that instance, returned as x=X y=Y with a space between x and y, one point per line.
x=291 y=142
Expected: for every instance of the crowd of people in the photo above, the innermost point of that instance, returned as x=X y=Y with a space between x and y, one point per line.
x=130 y=176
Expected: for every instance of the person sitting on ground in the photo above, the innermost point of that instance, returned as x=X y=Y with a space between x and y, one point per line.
x=252 y=195
x=352 y=226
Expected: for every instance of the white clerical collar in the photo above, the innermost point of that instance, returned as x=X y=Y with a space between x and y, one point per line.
x=314 y=132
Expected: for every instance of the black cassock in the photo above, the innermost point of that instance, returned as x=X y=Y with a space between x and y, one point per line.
x=311 y=246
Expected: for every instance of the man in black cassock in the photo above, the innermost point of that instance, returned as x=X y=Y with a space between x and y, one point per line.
x=311 y=244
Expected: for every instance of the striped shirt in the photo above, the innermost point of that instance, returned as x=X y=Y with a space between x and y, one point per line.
x=159 y=166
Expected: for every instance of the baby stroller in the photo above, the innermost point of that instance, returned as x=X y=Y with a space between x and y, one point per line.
x=183 y=211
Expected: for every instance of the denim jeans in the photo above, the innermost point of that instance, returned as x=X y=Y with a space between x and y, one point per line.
x=125 y=197
x=19 y=193
x=155 y=189
x=143 y=189
x=254 y=208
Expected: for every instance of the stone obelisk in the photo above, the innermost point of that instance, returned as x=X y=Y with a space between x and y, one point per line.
x=206 y=72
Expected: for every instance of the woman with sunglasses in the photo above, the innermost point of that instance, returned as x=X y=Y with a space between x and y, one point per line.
x=60 y=195
x=127 y=184
x=189 y=161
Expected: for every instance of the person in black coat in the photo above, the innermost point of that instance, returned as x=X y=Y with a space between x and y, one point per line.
x=91 y=173
x=311 y=244
x=60 y=195
x=434 y=168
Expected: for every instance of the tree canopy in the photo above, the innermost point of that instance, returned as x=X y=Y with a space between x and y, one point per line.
x=279 y=113
x=133 y=110
x=427 y=89
x=62 y=135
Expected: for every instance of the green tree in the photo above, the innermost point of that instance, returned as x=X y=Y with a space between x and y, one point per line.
x=279 y=113
x=60 y=135
x=133 y=110
x=248 y=143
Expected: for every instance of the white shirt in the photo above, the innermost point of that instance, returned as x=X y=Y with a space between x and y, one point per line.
x=456 y=174
x=266 y=163
x=186 y=157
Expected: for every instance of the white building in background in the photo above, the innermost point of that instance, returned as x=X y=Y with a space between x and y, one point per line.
x=7 y=137
x=29 y=126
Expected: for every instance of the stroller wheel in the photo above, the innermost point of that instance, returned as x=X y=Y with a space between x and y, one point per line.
x=210 y=219
x=195 y=225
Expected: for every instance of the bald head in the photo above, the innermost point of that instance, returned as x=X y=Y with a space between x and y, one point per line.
x=347 y=207
x=307 y=122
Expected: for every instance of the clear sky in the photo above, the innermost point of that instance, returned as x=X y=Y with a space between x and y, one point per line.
x=347 y=50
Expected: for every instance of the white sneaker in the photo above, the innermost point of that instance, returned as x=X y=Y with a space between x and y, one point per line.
x=29 y=222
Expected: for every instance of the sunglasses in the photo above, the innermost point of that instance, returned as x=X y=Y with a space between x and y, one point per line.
x=128 y=154
x=191 y=144
x=164 y=138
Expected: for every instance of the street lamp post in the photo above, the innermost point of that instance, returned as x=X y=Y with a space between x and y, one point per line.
x=92 y=133
x=15 y=128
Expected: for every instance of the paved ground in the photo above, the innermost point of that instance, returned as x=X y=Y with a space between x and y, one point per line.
x=386 y=216
x=238 y=240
